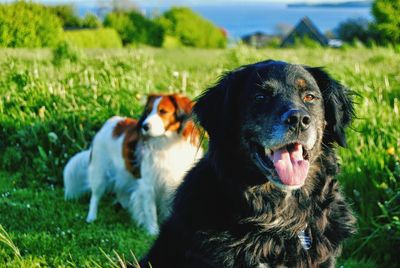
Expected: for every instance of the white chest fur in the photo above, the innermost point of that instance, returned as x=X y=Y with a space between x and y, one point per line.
x=164 y=161
x=167 y=159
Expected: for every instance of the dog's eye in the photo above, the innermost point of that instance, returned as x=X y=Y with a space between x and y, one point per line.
x=309 y=98
x=162 y=111
x=260 y=97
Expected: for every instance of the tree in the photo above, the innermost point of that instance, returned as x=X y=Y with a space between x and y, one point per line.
x=387 y=20
x=67 y=15
x=26 y=24
x=354 y=29
x=90 y=21
x=133 y=28
x=191 y=29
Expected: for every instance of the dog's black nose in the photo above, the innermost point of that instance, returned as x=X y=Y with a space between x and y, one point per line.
x=146 y=127
x=297 y=119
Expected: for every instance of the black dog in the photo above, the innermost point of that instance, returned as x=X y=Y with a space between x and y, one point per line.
x=265 y=195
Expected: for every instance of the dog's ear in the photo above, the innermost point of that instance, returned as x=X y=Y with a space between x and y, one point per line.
x=188 y=128
x=183 y=107
x=338 y=103
x=214 y=108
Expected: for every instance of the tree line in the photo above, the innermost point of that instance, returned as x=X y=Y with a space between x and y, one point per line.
x=383 y=30
x=27 y=24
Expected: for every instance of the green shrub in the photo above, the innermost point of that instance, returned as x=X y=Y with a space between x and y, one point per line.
x=67 y=15
x=70 y=20
x=134 y=28
x=305 y=42
x=387 y=21
x=94 y=38
x=171 y=42
x=354 y=29
x=274 y=42
x=191 y=29
x=122 y=24
x=24 y=24
x=64 y=51
x=90 y=21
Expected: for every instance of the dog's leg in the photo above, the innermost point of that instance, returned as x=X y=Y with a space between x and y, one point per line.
x=143 y=207
x=125 y=185
x=165 y=202
x=98 y=184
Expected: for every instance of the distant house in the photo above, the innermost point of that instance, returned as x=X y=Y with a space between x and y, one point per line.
x=305 y=28
x=257 y=39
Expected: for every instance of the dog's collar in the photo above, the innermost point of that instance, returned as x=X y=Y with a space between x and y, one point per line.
x=305 y=239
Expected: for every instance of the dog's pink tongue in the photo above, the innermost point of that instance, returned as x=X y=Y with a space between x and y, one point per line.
x=291 y=166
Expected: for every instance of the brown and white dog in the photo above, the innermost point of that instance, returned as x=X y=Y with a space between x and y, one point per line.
x=142 y=162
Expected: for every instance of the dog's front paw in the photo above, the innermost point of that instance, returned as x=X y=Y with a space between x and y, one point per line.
x=91 y=218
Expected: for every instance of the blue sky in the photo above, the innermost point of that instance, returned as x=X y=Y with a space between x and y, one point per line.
x=163 y=2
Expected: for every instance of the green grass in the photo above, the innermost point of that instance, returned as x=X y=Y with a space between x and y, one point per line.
x=42 y=225
x=49 y=112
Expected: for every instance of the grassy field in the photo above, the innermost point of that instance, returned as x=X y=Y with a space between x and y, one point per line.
x=50 y=110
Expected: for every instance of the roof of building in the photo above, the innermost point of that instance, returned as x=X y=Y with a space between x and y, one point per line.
x=305 y=27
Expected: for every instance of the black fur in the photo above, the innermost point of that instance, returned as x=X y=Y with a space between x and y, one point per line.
x=228 y=212
x=337 y=104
